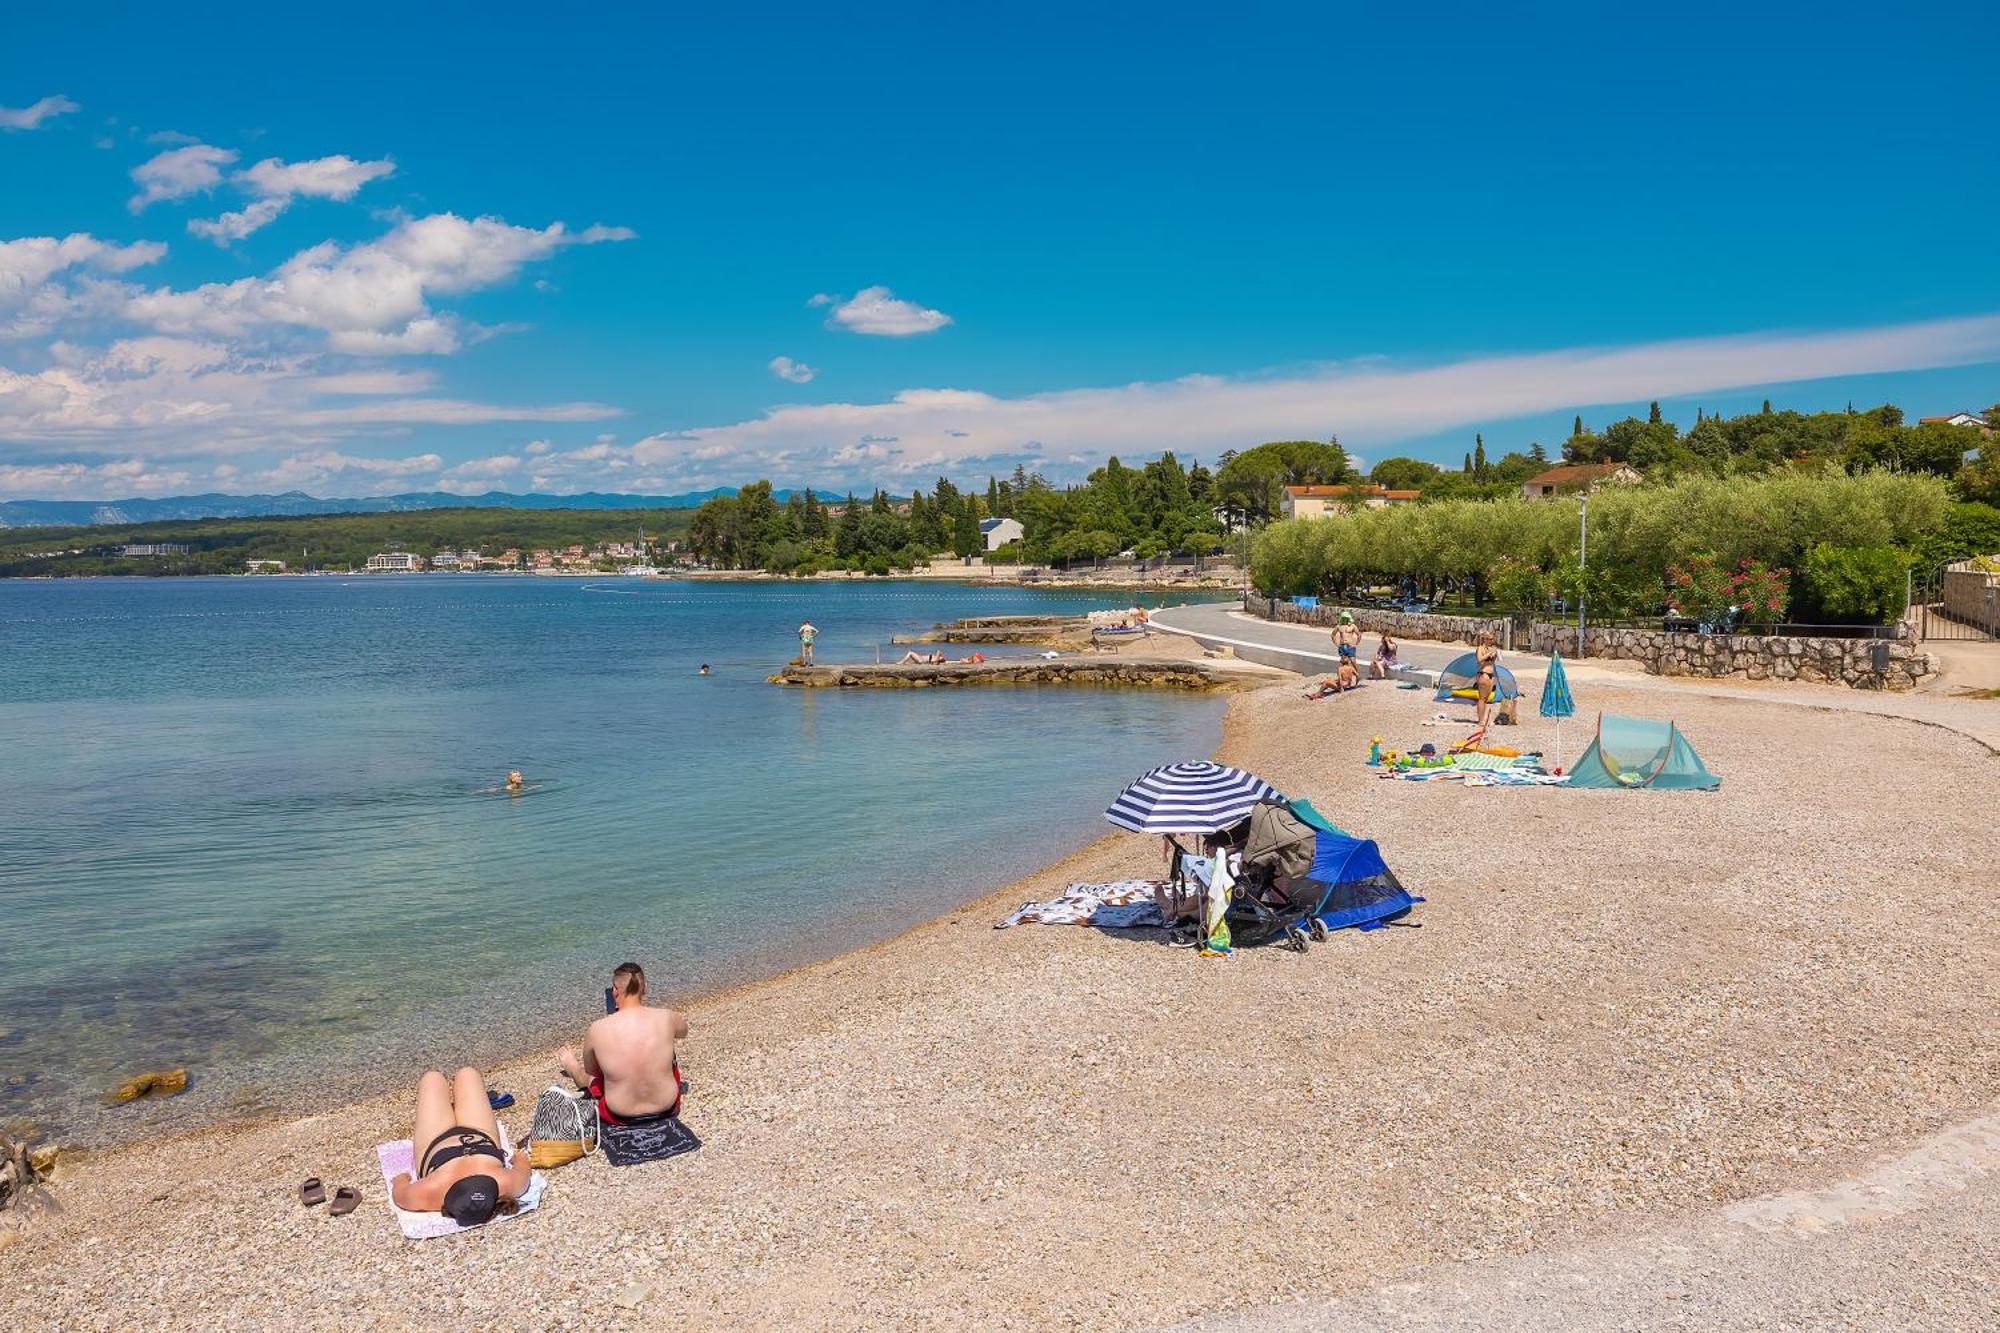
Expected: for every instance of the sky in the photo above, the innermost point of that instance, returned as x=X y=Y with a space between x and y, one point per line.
x=494 y=247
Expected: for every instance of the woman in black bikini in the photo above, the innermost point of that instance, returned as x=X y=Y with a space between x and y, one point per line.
x=1485 y=681
x=461 y=1170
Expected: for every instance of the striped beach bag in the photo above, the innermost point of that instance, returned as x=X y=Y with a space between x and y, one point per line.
x=565 y=1128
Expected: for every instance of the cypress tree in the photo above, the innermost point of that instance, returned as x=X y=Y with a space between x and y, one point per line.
x=1479 y=456
x=1467 y=469
x=1576 y=427
x=1767 y=407
x=1653 y=413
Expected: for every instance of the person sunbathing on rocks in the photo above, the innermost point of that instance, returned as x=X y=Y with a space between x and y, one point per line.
x=462 y=1171
x=628 y=1063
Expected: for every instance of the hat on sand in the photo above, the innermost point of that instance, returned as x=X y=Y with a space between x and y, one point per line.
x=471 y=1201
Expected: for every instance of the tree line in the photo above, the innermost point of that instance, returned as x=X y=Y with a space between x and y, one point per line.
x=1840 y=543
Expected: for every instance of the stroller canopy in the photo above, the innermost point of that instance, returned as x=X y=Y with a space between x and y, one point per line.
x=1361 y=890
x=1464 y=672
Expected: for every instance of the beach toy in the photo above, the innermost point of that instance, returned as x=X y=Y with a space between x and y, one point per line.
x=1375 y=751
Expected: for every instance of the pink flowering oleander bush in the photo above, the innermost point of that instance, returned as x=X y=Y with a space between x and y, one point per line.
x=1714 y=594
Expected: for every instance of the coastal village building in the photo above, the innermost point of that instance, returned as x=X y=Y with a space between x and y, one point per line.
x=263 y=566
x=1320 y=501
x=1986 y=428
x=445 y=560
x=394 y=562
x=999 y=531
x=137 y=549
x=1574 y=477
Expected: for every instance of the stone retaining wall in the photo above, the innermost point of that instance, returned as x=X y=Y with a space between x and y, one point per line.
x=1441 y=629
x=1848 y=662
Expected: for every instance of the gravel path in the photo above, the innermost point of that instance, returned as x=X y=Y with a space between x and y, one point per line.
x=1623 y=1010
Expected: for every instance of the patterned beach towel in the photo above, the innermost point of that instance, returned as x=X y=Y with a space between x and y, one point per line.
x=1125 y=904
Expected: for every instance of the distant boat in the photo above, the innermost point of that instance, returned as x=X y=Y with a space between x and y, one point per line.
x=642 y=570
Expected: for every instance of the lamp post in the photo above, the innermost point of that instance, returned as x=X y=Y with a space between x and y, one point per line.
x=1583 y=568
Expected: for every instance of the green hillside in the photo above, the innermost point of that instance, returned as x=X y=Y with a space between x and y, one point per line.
x=320 y=541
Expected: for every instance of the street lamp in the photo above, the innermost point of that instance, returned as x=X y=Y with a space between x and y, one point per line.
x=1583 y=568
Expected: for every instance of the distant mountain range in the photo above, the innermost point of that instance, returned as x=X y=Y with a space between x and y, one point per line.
x=78 y=513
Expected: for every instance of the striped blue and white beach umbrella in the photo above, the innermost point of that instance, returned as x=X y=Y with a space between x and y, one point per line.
x=1197 y=797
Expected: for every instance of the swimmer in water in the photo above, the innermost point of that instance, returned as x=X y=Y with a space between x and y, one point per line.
x=515 y=783
x=704 y=669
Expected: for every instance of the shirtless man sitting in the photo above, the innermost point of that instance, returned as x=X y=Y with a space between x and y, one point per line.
x=628 y=1061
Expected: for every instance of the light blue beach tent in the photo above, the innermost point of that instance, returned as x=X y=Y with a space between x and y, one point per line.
x=1641 y=752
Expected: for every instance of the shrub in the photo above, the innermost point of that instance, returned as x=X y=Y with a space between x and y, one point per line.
x=1857 y=584
x=1751 y=593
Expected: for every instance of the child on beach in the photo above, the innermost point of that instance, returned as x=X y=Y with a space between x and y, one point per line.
x=807 y=633
x=1349 y=677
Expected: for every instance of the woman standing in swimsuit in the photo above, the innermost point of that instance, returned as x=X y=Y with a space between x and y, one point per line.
x=461 y=1170
x=1488 y=676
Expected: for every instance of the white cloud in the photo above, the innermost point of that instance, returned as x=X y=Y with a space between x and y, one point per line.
x=177 y=173
x=275 y=184
x=879 y=311
x=337 y=177
x=31 y=305
x=796 y=372
x=117 y=480
x=329 y=471
x=236 y=225
x=369 y=299
x=1370 y=403
x=201 y=396
x=31 y=117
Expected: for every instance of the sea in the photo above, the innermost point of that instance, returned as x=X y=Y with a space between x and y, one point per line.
x=251 y=827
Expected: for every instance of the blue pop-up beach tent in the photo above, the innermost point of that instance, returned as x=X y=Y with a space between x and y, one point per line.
x=1361 y=890
x=1462 y=675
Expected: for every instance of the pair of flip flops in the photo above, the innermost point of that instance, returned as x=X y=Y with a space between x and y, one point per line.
x=345 y=1199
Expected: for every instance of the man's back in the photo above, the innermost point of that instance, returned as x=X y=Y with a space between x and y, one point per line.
x=634 y=1050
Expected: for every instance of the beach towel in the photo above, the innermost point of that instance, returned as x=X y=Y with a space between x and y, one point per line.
x=1124 y=904
x=1476 y=762
x=627 y=1144
x=400 y=1156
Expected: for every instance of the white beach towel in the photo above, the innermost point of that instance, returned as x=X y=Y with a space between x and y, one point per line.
x=400 y=1156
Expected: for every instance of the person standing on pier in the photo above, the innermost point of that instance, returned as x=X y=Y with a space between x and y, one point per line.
x=807 y=633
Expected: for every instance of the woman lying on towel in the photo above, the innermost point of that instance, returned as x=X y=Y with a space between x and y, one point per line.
x=462 y=1171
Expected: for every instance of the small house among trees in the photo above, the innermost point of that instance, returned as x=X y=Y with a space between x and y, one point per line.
x=1575 y=477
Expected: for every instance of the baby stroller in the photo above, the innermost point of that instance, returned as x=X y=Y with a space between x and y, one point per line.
x=1301 y=877
x=1269 y=898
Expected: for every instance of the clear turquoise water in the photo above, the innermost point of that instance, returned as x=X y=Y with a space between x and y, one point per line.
x=245 y=830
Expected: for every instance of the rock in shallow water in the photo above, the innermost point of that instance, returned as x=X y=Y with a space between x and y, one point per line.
x=156 y=1083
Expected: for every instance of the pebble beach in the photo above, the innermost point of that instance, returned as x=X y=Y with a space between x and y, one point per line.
x=1621 y=1010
